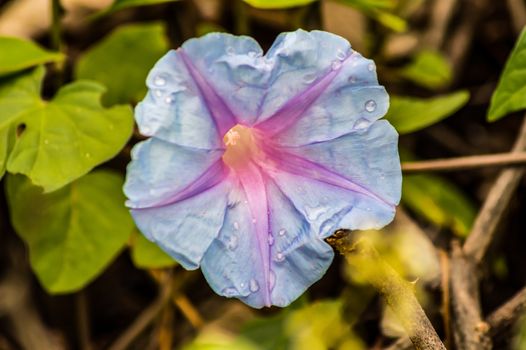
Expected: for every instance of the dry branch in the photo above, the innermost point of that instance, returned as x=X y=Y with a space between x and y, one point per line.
x=397 y=292
x=506 y=315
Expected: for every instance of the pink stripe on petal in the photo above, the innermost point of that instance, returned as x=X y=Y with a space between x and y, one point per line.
x=287 y=162
x=223 y=116
x=254 y=186
x=294 y=109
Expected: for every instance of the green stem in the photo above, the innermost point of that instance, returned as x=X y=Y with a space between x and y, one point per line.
x=56 y=30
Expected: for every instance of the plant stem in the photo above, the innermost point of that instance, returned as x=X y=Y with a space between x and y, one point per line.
x=463 y=163
x=397 y=292
x=56 y=30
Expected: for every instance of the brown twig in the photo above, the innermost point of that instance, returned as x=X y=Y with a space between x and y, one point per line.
x=470 y=332
x=444 y=284
x=83 y=320
x=506 y=315
x=496 y=203
x=144 y=319
x=517 y=10
x=440 y=17
x=188 y=310
x=398 y=293
x=463 y=163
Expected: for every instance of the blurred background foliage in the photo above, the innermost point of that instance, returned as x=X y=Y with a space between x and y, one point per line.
x=70 y=73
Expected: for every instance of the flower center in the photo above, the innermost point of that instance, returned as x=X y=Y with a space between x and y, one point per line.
x=241 y=146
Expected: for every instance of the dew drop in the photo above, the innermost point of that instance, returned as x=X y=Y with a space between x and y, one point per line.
x=270 y=240
x=370 y=106
x=229 y=292
x=230 y=50
x=158 y=93
x=309 y=78
x=280 y=257
x=282 y=232
x=371 y=67
x=271 y=280
x=352 y=79
x=340 y=55
x=336 y=65
x=159 y=81
x=168 y=99
x=362 y=123
x=146 y=130
x=236 y=225
x=232 y=242
x=253 y=285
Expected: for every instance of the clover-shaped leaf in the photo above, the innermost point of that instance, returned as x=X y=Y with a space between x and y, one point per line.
x=60 y=140
x=18 y=54
x=73 y=233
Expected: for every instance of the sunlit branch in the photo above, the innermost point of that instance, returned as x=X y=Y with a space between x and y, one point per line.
x=464 y=163
x=397 y=292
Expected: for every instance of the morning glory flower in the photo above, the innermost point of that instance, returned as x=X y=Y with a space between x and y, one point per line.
x=253 y=159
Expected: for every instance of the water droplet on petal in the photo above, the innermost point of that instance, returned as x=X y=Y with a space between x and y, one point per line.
x=352 y=79
x=159 y=81
x=371 y=67
x=270 y=240
x=271 y=280
x=253 y=285
x=361 y=123
x=336 y=65
x=146 y=130
x=236 y=225
x=168 y=99
x=229 y=292
x=309 y=78
x=232 y=242
x=158 y=93
x=230 y=50
x=370 y=106
x=280 y=257
x=340 y=54
x=282 y=232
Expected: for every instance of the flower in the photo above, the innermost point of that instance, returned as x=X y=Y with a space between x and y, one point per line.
x=254 y=159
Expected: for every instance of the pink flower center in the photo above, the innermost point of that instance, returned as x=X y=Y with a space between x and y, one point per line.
x=241 y=144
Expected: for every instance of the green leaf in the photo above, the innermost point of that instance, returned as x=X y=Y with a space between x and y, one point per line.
x=390 y=21
x=72 y=233
x=510 y=95
x=122 y=4
x=277 y=4
x=438 y=201
x=64 y=138
x=148 y=255
x=429 y=69
x=268 y=332
x=122 y=61
x=409 y=114
x=23 y=54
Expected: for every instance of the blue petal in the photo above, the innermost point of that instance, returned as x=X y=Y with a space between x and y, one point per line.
x=174 y=109
x=160 y=170
x=298 y=256
x=234 y=67
x=186 y=229
x=368 y=157
x=323 y=89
